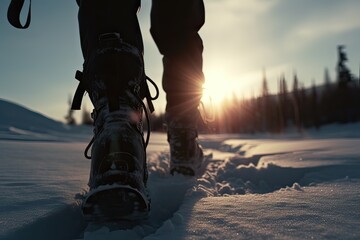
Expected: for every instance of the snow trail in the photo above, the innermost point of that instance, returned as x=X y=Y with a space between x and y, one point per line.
x=273 y=183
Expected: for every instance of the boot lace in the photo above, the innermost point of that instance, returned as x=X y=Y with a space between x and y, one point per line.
x=139 y=129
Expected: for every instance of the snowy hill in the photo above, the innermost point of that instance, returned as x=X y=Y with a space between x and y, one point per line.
x=18 y=122
x=16 y=116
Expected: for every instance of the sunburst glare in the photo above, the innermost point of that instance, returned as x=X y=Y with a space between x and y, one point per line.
x=217 y=87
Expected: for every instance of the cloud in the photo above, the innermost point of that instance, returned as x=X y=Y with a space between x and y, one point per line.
x=235 y=28
x=241 y=12
x=320 y=25
x=249 y=6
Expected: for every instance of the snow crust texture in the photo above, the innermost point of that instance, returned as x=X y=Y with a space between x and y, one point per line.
x=249 y=189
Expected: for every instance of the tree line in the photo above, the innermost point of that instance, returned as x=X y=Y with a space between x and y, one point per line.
x=292 y=107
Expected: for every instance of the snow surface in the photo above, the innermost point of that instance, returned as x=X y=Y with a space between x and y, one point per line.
x=19 y=123
x=293 y=186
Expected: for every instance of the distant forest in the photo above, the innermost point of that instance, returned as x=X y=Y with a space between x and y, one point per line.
x=296 y=107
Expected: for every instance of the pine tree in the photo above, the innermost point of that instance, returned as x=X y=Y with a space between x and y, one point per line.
x=327 y=79
x=327 y=100
x=284 y=101
x=304 y=106
x=265 y=104
x=296 y=103
x=280 y=109
x=314 y=106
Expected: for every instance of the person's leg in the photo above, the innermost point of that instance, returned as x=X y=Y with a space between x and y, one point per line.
x=113 y=75
x=174 y=27
x=98 y=17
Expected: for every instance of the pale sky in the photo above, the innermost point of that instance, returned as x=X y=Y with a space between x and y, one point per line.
x=241 y=38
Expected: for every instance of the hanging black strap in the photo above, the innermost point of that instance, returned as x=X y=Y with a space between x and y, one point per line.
x=80 y=91
x=14 y=12
x=148 y=96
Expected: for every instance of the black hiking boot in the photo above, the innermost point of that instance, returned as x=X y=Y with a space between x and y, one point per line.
x=115 y=80
x=186 y=155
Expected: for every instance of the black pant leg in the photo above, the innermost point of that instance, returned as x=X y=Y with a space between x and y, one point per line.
x=105 y=16
x=174 y=27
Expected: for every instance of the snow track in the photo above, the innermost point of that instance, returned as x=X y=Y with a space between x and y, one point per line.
x=251 y=189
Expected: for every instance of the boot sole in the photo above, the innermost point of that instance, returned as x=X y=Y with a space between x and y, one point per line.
x=115 y=203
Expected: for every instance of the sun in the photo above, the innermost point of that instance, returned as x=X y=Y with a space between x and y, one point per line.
x=217 y=87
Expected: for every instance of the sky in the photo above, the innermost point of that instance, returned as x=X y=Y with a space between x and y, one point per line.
x=242 y=39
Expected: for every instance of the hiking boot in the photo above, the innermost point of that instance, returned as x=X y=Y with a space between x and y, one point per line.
x=115 y=80
x=186 y=155
x=118 y=152
x=118 y=172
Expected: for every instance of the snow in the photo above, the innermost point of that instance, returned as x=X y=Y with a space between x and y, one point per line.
x=295 y=185
x=19 y=123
